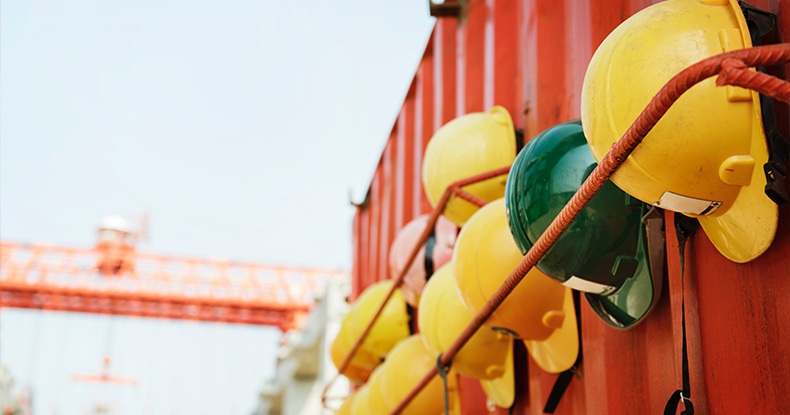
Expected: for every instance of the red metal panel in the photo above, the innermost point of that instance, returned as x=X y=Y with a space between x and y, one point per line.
x=364 y=252
x=505 y=81
x=407 y=160
x=528 y=42
x=552 y=106
x=445 y=44
x=387 y=202
x=399 y=202
x=578 y=52
x=489 y=51
x=356 y=248
x=423 y=125
x=471 y=45
x=375 y=230
x=531 y=57
x=744 y=326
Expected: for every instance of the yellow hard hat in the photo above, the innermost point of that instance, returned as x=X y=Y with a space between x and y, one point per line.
x=347 y=407
x=487 y=356
x=704 y=158
x=376 y=403
x=468 y=145
x=363 y=362
x=360 y=404
x=485 y=255
x=558 y=353
x=392 y=325
x=406 y=365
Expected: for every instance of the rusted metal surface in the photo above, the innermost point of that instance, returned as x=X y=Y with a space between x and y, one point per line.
x=738 y=314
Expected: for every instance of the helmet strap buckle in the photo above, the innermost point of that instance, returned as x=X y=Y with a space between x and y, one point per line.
x=760 y=22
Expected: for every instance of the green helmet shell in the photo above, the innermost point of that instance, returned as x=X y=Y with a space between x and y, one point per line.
x=602 y=251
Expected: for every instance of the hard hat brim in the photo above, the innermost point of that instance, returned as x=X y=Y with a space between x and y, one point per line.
x=558 y=353
x=633 y=301
x=502 y=390
x=747 y=229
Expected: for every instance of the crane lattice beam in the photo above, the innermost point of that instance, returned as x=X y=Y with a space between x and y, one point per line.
x=73 y=279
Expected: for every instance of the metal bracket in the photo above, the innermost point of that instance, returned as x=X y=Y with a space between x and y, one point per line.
x=446 y=9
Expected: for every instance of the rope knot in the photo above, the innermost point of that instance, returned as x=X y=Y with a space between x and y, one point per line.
x=731 y=70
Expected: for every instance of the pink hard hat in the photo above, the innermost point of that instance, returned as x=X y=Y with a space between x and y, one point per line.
x=440 y=252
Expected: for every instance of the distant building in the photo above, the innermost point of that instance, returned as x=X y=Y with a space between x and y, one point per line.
x=13 y=400
x=303 y=364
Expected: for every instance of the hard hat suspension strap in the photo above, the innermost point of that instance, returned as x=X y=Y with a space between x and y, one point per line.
x=761 y=22
x=519 y=140
x=430 y=244
x=684 y=227
x=654 y=226
x=778 y=154
x=656 y=249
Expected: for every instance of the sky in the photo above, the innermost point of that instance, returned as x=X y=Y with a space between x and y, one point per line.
x=242 y=128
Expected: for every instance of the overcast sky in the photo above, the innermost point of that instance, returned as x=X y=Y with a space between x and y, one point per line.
x=239 y=126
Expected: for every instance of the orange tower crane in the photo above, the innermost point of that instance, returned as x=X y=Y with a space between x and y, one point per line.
x=114 y=278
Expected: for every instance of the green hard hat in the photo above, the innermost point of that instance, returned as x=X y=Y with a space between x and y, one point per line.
x=603 y=253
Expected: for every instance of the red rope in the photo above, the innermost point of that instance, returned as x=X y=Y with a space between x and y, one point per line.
x=729 y=72
x=735 y=72
x=454 y=188
x=463 y=194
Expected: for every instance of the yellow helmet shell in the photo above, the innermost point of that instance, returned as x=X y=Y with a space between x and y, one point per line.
x=348 y=404
x=442 y=318
x=391 y=327
x=704 y=157
x=360 y=404
x=485 y=255
x=376 y=403
x=468 y=145
x=558 y=353
x=406 y=365
x=363 y=362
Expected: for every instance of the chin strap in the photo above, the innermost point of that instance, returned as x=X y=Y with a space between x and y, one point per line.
x=684 y=228
x=430 y=245
x=412 y=319
x=443 y=370
x=564 y=379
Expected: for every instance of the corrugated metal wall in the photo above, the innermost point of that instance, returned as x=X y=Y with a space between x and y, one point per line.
x=530 y=57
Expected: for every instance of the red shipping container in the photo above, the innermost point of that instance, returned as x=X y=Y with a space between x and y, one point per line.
x=530 y=56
